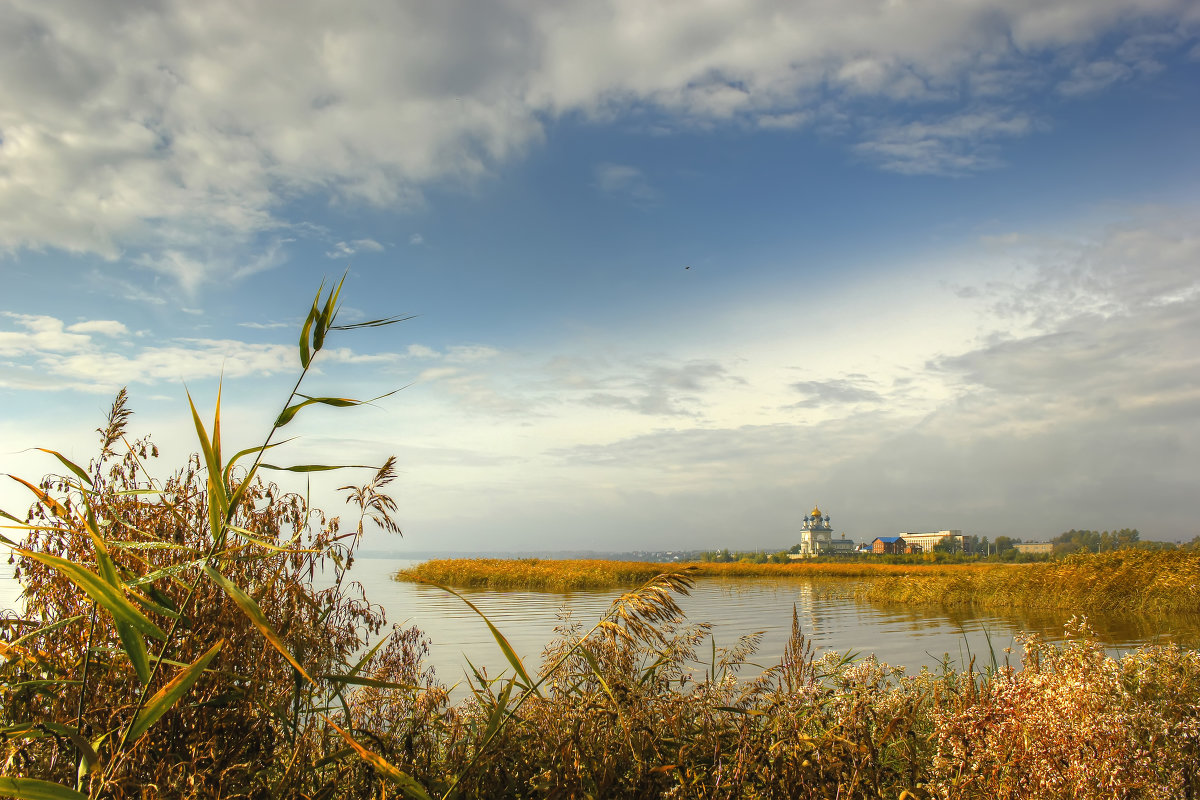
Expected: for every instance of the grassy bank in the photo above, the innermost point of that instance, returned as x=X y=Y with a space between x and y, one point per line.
x=1124 y=581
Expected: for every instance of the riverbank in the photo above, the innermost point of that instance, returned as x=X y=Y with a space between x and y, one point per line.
x=1123 y=581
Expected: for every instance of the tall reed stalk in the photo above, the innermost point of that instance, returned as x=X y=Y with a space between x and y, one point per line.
x=126 y=557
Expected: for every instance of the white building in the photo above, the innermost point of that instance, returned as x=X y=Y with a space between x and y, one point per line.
x=816 y=537
x=927 y=541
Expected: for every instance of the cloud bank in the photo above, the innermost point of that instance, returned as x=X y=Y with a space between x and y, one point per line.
x=174 y=133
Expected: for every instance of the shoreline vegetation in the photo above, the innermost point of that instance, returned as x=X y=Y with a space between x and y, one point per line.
x=173 y=643
x=1122 y=581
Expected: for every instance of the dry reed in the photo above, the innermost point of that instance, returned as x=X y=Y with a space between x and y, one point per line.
x=1123 y=581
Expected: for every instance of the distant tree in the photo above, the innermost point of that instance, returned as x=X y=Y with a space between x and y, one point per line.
x=1074 y=541
x=1005 y=543
x=948 y=544
x=781 y=557
x=1080 y=541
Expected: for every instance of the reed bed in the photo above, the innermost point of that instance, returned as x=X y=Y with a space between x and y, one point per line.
x=1120 y=582
x=551 y=575
x=627 y=717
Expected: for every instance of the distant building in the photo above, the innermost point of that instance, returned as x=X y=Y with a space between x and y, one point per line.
x=925 y=542
x=816 y=537
x=1034 y=547
x=888 y=545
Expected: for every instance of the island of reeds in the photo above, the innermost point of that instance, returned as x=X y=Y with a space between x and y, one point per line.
x=172 y=644
x=1122 y=581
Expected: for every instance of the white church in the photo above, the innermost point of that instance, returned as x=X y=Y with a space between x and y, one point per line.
x=816 y=537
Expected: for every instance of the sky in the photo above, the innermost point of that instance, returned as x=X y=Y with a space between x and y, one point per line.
x=677 y=271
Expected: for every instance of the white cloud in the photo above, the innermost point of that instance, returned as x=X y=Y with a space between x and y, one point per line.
x=347 y=249
x=953 y=145
x=624 y=180
x=1094 y=76
x=264 y=326
x=107 y=327
x=46 y=354
x=416 y=240
x=421 y=351
x=174 y=137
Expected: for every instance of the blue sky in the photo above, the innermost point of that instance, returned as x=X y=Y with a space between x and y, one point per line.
x=680 y=270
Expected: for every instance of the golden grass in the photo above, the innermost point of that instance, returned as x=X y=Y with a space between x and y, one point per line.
x=1124 y=581
x=545 y=575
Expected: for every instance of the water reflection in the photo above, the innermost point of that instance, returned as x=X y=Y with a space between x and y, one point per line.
x=901 y=636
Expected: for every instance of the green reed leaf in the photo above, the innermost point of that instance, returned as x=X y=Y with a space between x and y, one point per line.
x=71 y=465
x=306 y=331
x=45 y=629
x=317 y=467
x=337 y=402
x=218 y=497
x=225 y=476
x=206 y=448
x=406 y=782
x=58 y=508
x=131 y=641
x=100 y=590
x=291 y=411
x=374 y=323
x=356 y=680
x=251 y=609
x=135 y=647
x=325 y=321
x=252 y=538
x=594 y=664
x=362 y=662
x=509 y=653
x=91 y=759
x=216 y=429
x=166 y=697
x=34 y=789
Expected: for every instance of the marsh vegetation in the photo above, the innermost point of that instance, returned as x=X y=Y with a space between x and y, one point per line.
x=1121 y=581
x=173 y=644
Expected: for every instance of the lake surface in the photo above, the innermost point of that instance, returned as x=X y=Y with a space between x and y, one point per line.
x=896 y=635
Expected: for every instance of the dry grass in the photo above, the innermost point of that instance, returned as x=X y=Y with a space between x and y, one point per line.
x=546 y=575
x=630 y=717
x=1120 y=582
x=1123 y=581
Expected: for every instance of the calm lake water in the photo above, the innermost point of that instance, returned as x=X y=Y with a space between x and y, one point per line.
x=898 y=636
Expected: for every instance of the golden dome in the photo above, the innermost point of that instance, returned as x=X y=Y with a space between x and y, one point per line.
x=816 y=512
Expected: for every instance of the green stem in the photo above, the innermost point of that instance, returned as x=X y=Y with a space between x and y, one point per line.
x=87 y=661
x=212 y=550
